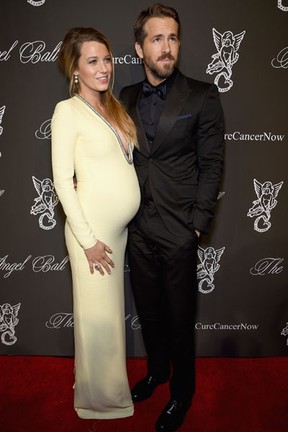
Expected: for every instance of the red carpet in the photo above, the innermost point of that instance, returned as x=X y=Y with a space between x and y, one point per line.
x=233 y=395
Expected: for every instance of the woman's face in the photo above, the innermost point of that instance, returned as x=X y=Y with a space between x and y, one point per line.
x=94 y=68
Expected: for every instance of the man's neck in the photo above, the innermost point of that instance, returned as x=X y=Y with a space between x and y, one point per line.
x=155 y=81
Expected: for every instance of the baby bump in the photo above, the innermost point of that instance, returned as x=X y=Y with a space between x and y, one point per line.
x=110 y=201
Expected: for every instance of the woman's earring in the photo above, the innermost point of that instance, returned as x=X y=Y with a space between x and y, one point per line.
x=76 y=79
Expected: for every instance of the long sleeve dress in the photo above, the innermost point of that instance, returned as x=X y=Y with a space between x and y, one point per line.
x=106 y=199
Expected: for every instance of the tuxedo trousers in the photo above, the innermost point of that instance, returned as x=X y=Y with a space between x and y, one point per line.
x=163 y=271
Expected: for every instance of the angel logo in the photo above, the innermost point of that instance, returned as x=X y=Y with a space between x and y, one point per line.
x=262 y=207
x=2 y=110
x=8 y=322
x=227 y=46
x=36 y=3
x=45 y=203
x=281 y=6
x=208 y=266
x=285 y=332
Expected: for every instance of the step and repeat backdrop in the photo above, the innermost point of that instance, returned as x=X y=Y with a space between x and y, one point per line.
x=241 y=46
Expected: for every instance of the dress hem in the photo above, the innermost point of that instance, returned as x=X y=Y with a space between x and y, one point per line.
x=90 y=414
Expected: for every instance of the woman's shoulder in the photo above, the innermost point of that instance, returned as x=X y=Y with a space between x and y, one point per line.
x=70 y=102
x=66 y=106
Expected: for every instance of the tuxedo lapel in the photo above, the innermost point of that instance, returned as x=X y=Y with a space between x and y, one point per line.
x=176 y=99
x=134 y=114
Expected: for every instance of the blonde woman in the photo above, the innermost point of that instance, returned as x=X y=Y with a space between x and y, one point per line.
x=93 y=139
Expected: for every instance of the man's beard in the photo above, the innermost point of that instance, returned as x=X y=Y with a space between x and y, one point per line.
x=165 y=71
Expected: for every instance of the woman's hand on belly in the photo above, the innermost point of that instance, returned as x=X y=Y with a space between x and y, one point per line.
x=98 y=259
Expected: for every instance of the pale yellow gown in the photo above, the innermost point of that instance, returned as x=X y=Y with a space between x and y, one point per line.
x=106 y=199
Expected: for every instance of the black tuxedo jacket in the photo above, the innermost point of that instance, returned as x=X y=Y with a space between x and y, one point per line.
x=184 y=165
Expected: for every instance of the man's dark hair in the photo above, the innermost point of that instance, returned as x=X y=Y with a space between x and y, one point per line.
x=158 y=10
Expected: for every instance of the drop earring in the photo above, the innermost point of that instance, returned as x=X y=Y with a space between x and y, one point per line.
x=76 y=79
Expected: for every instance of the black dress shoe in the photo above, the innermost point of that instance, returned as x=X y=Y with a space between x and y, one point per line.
x=145 y=388
x=172 y=416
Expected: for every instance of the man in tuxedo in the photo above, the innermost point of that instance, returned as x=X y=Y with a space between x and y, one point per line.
x=179 y=165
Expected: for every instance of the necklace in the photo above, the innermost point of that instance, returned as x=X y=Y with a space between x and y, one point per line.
x=129 y=156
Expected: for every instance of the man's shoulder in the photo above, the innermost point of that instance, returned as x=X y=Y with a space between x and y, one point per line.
x=131 y=88
x=195 y=83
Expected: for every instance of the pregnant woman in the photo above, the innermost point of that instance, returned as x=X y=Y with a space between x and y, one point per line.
x=92 y=140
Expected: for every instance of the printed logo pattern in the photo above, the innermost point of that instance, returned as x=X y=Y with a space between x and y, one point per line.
x=32 y=52
x=44 y=131
x=45 y=202
x=264 y=136
x=36 y=3
x=267 y=266
x=61 y=320
x=2 y=110
x=285 y=333
x=227 y=46
x=208 y=266
x=281 y=6
x=39 y=264
x=265 y=203
x=8 y=322
x=281 y=60
x=228 y=63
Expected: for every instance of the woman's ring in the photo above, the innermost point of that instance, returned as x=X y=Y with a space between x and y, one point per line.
x=97 y=266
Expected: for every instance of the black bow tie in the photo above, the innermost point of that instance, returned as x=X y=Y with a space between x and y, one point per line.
x=148 y=90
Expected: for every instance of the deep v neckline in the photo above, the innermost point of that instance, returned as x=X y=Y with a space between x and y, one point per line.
x=128 y=156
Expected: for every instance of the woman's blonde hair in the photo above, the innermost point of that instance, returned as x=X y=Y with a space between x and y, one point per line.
x=68 y=58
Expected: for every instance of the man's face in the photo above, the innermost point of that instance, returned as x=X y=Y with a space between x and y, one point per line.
x=160 y=50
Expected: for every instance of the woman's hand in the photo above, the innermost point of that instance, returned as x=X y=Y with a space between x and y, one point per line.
x=98 y=259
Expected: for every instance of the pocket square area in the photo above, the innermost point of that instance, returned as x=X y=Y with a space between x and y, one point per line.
x=184 y=116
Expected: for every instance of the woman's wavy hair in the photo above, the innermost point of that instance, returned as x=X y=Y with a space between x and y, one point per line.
x=68 y=58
